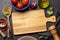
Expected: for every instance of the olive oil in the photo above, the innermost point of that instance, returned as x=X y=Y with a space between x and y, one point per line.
x=43 y=3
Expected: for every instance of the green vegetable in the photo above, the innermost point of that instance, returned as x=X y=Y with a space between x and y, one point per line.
x=41 y=37
x=50 y=10
x=43 y=4
x=7 y=12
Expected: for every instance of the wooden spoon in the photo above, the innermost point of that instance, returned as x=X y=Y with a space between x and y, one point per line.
x=2 y=34
x=9 y=8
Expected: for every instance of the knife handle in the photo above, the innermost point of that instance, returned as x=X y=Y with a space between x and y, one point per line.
x=54 y=33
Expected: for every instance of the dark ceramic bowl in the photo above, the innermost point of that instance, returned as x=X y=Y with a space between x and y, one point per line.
x=3 y=21
x=22 y=8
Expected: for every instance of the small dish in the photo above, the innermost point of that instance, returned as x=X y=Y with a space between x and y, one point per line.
x=22 y=8
x=27 y=38
x=3 y=24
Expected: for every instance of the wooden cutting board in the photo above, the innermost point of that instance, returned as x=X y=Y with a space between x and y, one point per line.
x=30 y=21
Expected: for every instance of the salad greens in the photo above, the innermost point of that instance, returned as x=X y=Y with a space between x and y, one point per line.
x=50 y=10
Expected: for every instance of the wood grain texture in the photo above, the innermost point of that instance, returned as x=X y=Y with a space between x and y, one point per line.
x=53 y=31
x=30 y=21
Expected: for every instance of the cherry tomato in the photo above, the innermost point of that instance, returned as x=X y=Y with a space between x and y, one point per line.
x=25 y=2
x=20 y=6
x=14 y=1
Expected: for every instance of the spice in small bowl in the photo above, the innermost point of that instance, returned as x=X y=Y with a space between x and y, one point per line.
x=3 y=24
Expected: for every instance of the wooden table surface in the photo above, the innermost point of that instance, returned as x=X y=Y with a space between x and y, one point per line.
x=55 y=3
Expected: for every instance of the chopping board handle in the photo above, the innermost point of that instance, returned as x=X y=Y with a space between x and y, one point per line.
x=51 y=19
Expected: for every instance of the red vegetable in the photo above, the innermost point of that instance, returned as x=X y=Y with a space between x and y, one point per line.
x=14 y=1
x=20 y=3
x=25 y=2
x=34 y=5
x=20 y=6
